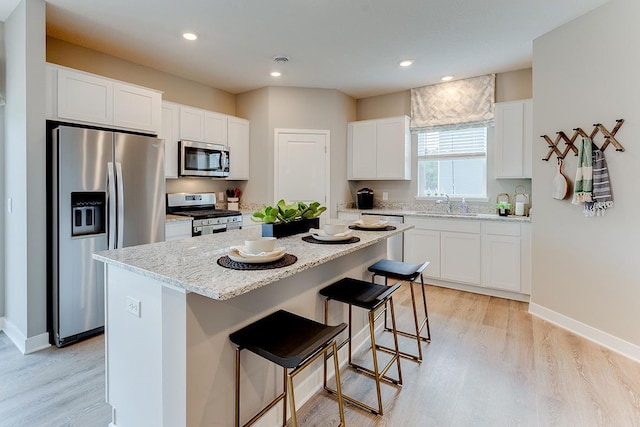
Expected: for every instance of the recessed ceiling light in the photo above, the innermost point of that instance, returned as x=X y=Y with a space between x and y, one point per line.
x=276 y=74
x=406 y=63
x=447 y=78
x=190 y=36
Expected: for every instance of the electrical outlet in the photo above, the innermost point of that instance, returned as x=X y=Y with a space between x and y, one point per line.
x=385 y=195
x=220 y=196
x=133 y=306
x=10 y=205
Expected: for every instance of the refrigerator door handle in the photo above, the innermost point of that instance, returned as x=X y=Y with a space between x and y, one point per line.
x=111 y=197
x=120 y=204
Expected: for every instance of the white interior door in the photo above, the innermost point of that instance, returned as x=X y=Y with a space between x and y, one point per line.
x=301 y=169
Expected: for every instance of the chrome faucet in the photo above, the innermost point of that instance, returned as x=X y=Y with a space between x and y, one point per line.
x=447 y=202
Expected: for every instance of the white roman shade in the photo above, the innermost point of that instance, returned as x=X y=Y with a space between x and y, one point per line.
x=468 y=101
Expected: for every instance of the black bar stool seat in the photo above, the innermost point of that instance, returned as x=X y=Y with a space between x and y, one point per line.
x=290 y=341
x=409 y=272
x=371 y=297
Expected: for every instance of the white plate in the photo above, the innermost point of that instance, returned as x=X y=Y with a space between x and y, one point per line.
x=234 y=255
x=373 y=226
x=321 y=235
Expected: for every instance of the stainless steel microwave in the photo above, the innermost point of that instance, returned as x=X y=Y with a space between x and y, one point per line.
x=203 y=159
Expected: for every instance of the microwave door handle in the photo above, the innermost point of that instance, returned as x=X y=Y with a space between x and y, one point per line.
x=120 y=204
x=111 y=201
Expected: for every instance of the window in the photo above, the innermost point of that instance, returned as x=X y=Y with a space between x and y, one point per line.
x=453 y=161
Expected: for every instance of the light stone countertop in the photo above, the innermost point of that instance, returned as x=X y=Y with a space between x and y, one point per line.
x=426 y=214
x=172 y=218
x=191 y=263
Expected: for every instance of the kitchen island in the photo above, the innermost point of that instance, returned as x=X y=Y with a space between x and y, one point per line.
x=170 y=308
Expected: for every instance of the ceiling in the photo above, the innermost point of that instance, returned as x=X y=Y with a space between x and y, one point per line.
x=350 y=45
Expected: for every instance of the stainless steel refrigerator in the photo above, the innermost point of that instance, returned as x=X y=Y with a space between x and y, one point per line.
x=108 y=192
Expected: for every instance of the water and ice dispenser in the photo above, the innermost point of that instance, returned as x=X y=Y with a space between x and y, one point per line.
x=88 y=213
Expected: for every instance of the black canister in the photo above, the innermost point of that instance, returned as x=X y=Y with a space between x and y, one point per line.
x=365 y=198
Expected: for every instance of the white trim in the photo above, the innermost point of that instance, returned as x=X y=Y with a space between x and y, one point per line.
x=602 y=338
x=477 y=289
x=24 y=344
x=327 y=163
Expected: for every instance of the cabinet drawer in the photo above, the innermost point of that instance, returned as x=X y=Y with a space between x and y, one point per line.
x=501 y=229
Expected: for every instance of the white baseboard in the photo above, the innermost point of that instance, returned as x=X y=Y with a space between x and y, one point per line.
x=604 y=339
x=24 y=344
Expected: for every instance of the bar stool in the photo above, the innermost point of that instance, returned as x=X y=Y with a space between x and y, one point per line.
x=290 y=341
x=373 y=298
x=399 y=270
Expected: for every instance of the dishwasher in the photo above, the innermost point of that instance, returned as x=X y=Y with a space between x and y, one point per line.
x=395 y=244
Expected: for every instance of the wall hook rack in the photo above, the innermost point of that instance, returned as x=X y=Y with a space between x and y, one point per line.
x=609 y=138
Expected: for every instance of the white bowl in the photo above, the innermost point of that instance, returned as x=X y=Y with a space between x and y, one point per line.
x=259 y=245
x=369 y=219
x=333 y=229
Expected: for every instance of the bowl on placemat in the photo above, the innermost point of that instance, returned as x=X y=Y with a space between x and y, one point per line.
x=334 y=229
x=260 y=245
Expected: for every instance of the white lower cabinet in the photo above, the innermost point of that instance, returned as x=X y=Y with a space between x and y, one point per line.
x=349 y=216
x=487 y=256
x=460 y=257
x=501 y=262
x=175 y=230
x=248 y=223
x=502 y=256
x=423 y=245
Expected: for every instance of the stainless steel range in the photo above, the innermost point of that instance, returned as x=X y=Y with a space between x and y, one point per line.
x=202 y=208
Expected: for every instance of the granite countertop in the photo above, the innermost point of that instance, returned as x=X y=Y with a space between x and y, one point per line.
x=171 y=218
x=191 y=264
x=429 y=214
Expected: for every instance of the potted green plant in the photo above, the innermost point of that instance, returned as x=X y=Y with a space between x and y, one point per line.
x=504 y=208
x=284 y=220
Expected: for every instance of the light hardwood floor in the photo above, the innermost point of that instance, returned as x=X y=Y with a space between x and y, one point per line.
x=490 y=364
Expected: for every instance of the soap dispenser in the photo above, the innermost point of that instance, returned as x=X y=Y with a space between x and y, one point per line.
x=463 y=206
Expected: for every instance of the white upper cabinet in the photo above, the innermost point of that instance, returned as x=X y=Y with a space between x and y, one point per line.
x=191 y=124
x=215 y=128
x=238 y=142
x=513 y=139
x=136 y=108
x=170 y=132
x=76 y=96
x=84 y=97
x=379 y=149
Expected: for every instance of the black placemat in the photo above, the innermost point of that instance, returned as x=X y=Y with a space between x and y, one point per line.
x=387 y=228
x=310 y=239
x=285 y=261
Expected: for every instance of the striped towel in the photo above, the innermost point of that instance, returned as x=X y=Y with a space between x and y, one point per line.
x=583 y=188
x=602 y=198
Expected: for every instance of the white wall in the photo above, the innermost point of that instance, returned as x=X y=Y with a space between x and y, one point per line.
x=2 y=207
x=586 y=269
x=295 y=108
x=25 y=227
